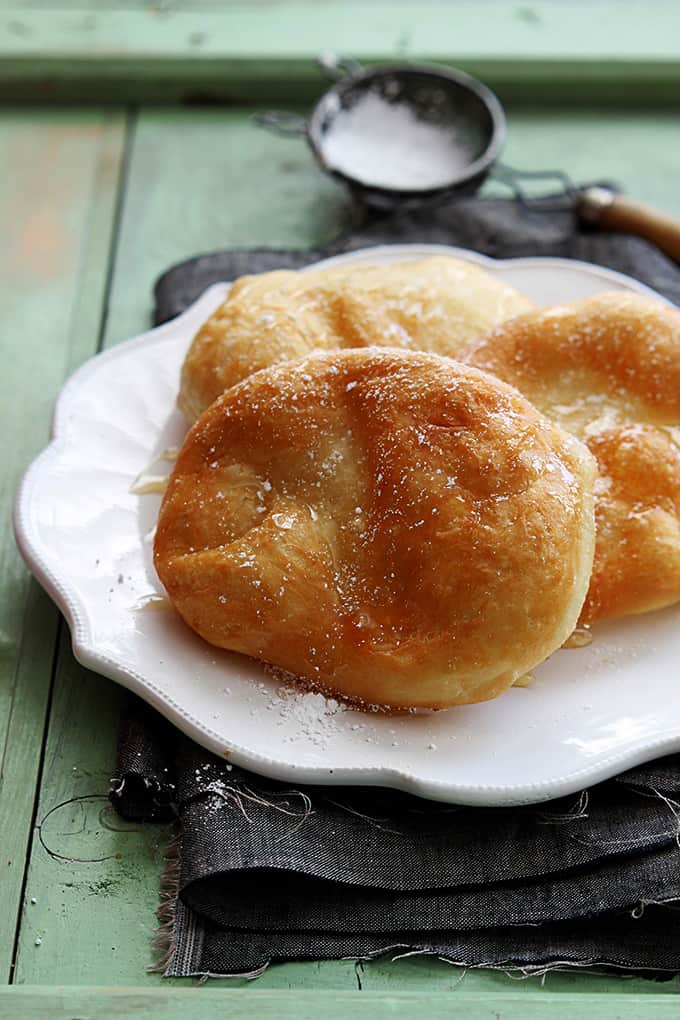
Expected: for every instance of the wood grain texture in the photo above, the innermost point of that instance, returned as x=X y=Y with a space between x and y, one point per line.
x=197 y=180
x=632 y=148
x=165 y=52
x=92 y=885
x=207 y=179
x=58 y=183
x=200 y=180
x=226 y=1004
x=80 y=748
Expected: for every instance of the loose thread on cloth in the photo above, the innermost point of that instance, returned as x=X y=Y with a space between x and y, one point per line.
x=642 y=841
x=372 y=821
x=674 y=808
x=234 y=795
x=575 y=813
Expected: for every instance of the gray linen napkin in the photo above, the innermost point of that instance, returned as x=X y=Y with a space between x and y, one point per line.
x=263 y=872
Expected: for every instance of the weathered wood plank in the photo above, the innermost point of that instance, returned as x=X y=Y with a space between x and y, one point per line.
x=58 y=183
x=227 y=1004
x=182 y=196
x=619 y=53
x=200 y=180
x=92 y=886
x=219 y=181
x=634 y=148
x=207 y=179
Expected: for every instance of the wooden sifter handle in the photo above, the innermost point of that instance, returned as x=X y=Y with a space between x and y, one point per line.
x=610 y=211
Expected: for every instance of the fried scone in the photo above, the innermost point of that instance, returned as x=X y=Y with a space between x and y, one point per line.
x=435 y=304
x=389 y=526
x=608 y=369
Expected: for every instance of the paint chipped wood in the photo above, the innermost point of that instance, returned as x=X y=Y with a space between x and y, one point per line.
x=233 y=52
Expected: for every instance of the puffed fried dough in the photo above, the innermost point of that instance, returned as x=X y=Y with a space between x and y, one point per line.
x=390 y=526
x=434 y=304
x=608 y=369
x=637 y=545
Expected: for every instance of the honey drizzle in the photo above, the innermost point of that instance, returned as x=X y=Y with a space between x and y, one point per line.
x=152 y=603
x=145 y=484
x=579 y=638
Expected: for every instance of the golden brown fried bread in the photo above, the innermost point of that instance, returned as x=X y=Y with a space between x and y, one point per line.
x=608 y=369
x=435 y=304
x=391 y=526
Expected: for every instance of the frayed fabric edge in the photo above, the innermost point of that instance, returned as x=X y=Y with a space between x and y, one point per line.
x=513 y=971
x=164 y=939
x=248 y=975
x=163 y=942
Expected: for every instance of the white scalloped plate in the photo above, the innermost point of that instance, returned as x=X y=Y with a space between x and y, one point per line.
x=590 y=713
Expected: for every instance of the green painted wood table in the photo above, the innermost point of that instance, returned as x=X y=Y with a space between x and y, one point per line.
x=127 y=144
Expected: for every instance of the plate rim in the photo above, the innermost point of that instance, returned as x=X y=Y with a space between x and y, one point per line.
x=70 y=602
